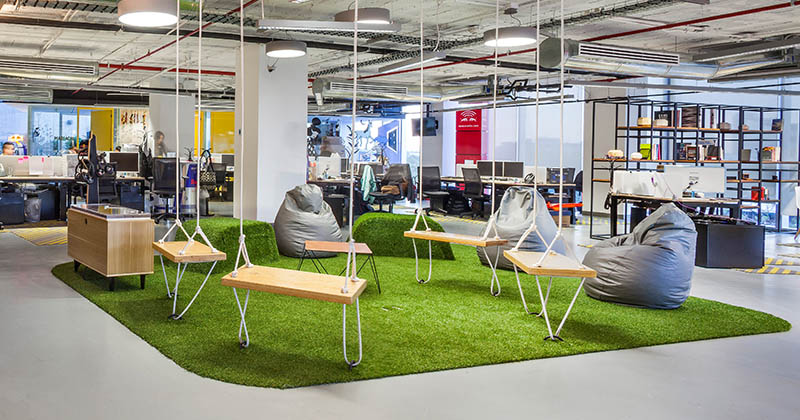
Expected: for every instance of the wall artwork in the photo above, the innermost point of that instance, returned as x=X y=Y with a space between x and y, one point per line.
x=391 y=139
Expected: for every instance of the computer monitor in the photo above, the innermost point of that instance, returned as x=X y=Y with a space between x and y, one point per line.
x=429 y=126
x=126 y=162
x=553 y=173
x=514 y=169
x=228 y=160
x=377 y=168
x=703 y=179
x=485 y=168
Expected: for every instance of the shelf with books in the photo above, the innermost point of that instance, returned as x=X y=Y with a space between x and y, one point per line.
x=686 y=134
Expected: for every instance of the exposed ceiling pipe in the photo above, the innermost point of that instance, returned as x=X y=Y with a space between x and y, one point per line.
x=611 y=36
x=135 y=60
x=343 y=88
x=166 y=69
x=714 y=89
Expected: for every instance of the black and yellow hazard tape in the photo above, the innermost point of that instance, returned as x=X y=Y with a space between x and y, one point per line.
x=43 y=236
x=770 y=270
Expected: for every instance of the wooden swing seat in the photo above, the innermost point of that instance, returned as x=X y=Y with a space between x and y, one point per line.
x=302 y=284
x=554 y=264
x=197 y=253
x=454 y=238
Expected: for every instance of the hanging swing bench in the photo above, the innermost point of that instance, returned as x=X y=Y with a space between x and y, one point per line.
x=454 y=238
x=549 y=263
x=190 y=251
x=344 y=290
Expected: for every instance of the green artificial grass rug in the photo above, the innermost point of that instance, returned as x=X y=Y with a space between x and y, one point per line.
x=451 y=322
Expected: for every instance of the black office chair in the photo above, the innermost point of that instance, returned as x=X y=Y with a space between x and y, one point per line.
x=163 y=185
x=107 y=188
x=432 y=189
x=398 y=175
x=473 y=190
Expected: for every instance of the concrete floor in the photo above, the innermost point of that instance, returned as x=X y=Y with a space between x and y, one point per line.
x=62 y=357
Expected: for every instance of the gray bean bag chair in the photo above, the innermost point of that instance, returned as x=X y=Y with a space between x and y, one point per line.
x=514 y=217
x=304 y=216
x=650 y=267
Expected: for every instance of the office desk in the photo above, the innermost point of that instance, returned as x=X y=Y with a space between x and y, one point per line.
x=63 y=183
x=569 y=189
x=506 y=184
x=733 y=205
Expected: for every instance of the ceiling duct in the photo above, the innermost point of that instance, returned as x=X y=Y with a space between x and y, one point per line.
x=25 y=95
x=634 y=62
x=343 y=88
x=47 y=69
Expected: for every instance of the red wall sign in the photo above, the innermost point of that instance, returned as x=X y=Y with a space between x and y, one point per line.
x=470 y=135
x=468 y=120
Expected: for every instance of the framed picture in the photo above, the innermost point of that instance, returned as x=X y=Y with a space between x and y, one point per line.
x=391 y=139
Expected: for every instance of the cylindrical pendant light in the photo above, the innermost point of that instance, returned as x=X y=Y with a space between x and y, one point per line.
x=147 y=13
x=373 y=15
x=512 y=36
x=286 y=49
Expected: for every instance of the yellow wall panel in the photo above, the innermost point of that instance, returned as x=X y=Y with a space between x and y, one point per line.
x=223 y=132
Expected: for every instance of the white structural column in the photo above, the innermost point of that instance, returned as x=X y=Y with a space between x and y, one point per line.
x=275 y=136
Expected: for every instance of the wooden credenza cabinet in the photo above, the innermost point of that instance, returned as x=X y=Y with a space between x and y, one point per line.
x=111 y=240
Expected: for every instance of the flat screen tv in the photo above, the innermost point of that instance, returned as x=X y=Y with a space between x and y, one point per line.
x=430 y=125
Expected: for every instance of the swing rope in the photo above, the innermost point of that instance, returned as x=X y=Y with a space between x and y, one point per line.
x=198 y=230
x=421 y=116
x=533 y=227
x=491 y=223
x=559 y=233
x=242 y=252
x=178 y=223
x=352 y=267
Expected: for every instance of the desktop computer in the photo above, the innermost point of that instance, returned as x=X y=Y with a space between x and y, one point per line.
x=514 y=169
x=553 y=174
x=485 y=168
x=127 y=163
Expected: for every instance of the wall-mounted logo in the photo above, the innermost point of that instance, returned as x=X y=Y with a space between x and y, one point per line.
x=468 y=116
x=468 y=120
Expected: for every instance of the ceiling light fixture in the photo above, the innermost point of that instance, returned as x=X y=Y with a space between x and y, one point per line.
x=147 y=13
x=511 y=36
x=369 y=15
x=286 y=49
x=412 y=63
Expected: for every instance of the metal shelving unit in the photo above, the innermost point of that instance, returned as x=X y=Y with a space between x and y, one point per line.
x=742 y=175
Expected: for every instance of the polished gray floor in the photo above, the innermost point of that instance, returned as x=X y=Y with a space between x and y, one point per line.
x=62 y=357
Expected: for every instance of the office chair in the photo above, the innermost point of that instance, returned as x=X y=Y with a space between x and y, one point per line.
x=398 y=175
x=432 y=189
x=473 y=190
x=163 y=185
x=107 y=189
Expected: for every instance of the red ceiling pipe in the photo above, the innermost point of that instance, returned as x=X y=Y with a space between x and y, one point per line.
x=610 y=36
x=135 y=60
x=171 y=70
